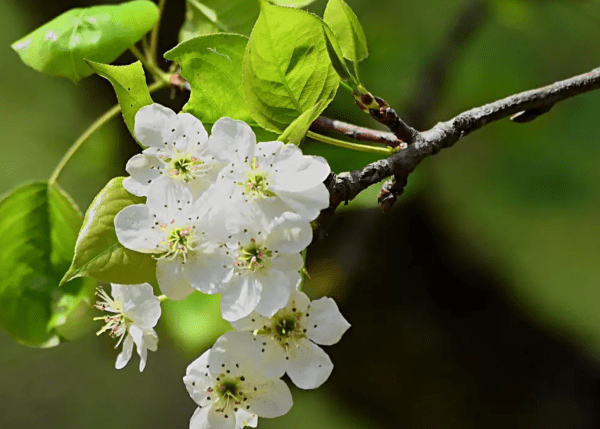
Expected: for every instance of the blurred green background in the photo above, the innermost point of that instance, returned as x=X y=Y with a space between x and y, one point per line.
x=475 y=302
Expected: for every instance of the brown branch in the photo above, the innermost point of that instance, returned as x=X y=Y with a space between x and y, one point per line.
x=346 y=186
x=359 y=133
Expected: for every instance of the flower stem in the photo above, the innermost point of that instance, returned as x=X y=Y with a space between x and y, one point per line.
x=107 y=116
x=346 y=86
x=151 y=53
x=353 y=146
x=157 y=73
x=162 y=298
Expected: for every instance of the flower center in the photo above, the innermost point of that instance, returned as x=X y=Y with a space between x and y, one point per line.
x=186 y=167
x=286 y=328
x=179 y=242
x=115 y=324
x=253 y=257
x=229 y=393
x=257 y=184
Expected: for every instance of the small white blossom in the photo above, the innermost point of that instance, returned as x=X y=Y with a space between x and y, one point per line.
x=230 y=390
x=135 y=313
x=177 y=152
x=287 y=340
x=171 y=226
x=271 y=177
x=255 y=269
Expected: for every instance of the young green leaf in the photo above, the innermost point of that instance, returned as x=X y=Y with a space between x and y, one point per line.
x=286 y=69
x=212 y=64
x=345 y=25
x=215 y=16
x=292 y=3
x=98 y=253
x=130 y=85
x=38 y=228
x=297 y=130
x=98 y=33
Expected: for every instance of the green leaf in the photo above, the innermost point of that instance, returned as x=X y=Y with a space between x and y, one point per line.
x=98 y=33
x=98 y=252
x=212 y=64
x=336 y=56
x=130 y=85
x=345 y=25
x=286 y=69
x=215 y=16
x=38 y=228
x=297 y=130
x=292 y=3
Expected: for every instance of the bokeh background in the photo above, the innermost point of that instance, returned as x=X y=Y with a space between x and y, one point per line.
x=474 y=303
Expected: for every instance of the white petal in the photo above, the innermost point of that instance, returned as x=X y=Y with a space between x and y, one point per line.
x=309 y=366
x=139 y=304
x=240 y=297
x=170 y=201
x=296 y=172
x=257 y=355
x=290 y=264
x=171 y=279
x=232 y=140
x=299 y=301
x=272 y=399
x=197 y=369
x=307 y=204
x=154 y=124
x=133 y=226
x=126 y=353
x=143 y=170
x=140 y=340
x=266 y=153
x=325 y=324
x=289 y=234
x=193 y=130
x=208 y=418
x=207 y=272
x=276 y=289
x=251 y=322
x=244 y=418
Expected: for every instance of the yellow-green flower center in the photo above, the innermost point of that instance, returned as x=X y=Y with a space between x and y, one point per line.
x=185 y=167
x=256 y=184
x=253 y=257
x=179 y=242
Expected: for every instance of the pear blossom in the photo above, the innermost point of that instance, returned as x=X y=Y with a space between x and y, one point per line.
x=135 y=311
x=177 y=152
x=230 y=390
x=171 y=226
x=255 y=268
x=270 y=177
x=288 y=340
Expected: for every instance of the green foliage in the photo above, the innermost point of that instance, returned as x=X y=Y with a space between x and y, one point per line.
x=345 y=25
x=38 y=228
x=215 y=16
x=195 y=322
x=129 y=83
x=98 y=252
x=292 y=3
x=98 y=33
x=212 y=64
x=297 y=130
x=286 y=69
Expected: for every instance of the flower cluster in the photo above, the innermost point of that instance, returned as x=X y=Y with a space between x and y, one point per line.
x=225 y=214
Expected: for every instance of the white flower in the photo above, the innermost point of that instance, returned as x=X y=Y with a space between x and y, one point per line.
x=272 y=177
x=177 y=152
x=135 y=313
x=287 y=339
x=230 y=390
x=255 y=269
x=170 y=225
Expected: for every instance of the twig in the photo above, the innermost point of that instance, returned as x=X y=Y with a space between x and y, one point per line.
x=359 y=133
x=346 y=186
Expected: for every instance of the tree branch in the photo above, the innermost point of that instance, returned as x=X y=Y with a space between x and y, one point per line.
x=530 y=104
x=353 y=131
